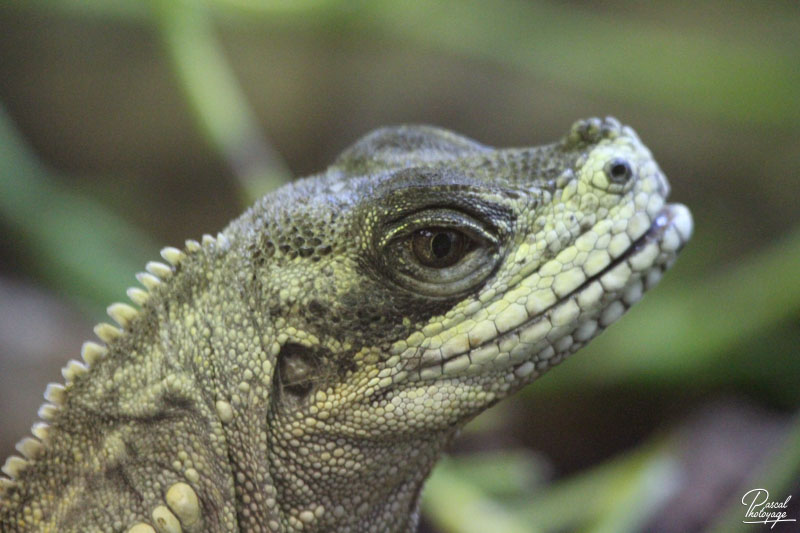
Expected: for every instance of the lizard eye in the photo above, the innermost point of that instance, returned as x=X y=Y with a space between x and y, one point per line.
x=440 y=252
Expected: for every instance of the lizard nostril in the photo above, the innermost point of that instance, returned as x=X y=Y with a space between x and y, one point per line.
x=619 y=171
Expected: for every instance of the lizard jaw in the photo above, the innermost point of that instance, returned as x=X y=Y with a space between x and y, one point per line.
x=545 y=339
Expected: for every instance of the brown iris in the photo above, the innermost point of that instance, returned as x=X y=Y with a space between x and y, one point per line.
x=439 y=247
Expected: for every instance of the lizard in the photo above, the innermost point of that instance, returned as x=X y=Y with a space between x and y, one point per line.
x=303 y=369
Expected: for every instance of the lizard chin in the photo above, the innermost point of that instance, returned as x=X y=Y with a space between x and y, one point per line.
x=543 y=341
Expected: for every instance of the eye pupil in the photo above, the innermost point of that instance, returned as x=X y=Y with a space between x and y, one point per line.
x=441 y=244
x=439 y=247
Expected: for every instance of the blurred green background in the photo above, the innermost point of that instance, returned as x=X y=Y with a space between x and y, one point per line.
x=128 y=125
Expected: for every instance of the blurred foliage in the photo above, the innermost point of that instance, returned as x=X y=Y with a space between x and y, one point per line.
x=217 y=101
x=779 y=472
x=96 y=251
x=724 y=320
x=735 y=76
x=616 y=497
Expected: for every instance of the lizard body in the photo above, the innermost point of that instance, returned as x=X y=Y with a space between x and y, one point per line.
x=303 y=370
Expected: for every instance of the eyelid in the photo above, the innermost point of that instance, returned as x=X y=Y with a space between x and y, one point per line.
x=441 y=218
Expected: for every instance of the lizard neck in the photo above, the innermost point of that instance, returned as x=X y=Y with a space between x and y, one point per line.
x=355 y=485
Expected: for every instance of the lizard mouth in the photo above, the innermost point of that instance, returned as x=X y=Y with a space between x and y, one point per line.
x=544 y=339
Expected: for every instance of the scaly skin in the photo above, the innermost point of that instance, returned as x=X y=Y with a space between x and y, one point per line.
x=303 y=370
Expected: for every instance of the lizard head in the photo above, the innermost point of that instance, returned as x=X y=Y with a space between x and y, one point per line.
x=313 y=359
x=432 y=275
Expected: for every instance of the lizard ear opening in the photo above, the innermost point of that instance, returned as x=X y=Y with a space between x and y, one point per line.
x=296 y=369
